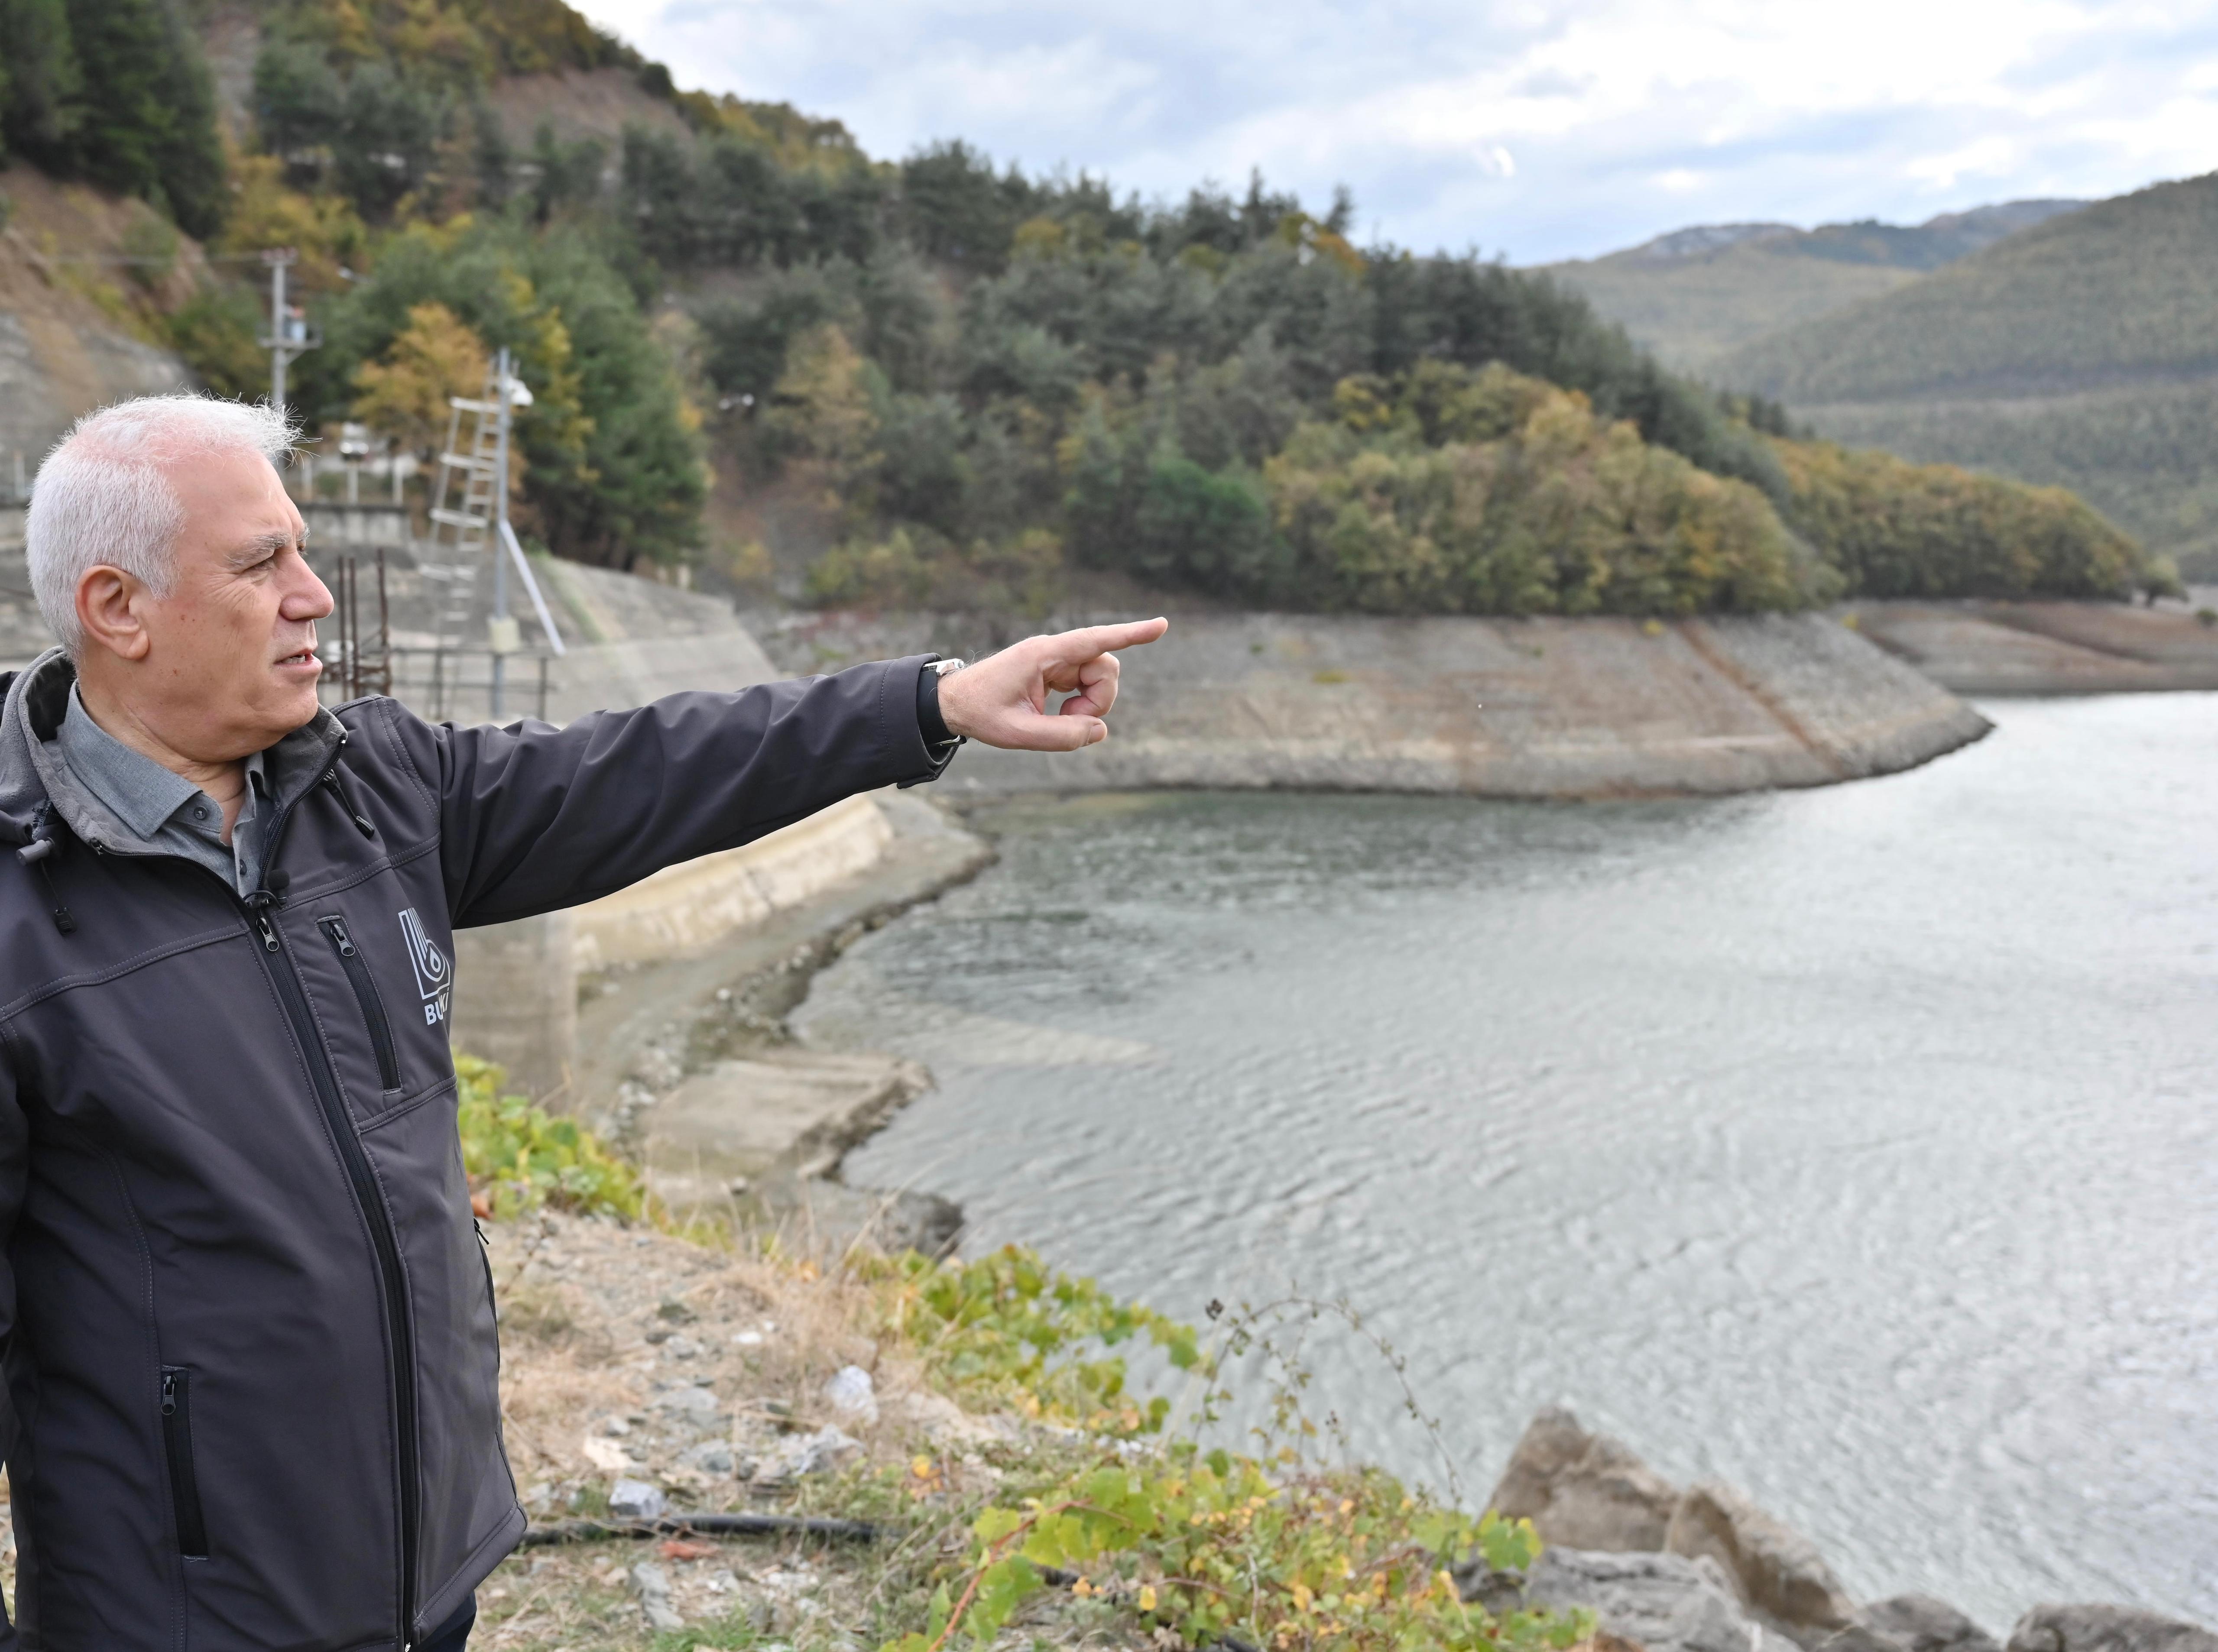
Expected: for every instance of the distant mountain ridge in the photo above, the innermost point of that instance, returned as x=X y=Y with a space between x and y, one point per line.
x=1937 y=241
x=2082 y=351
x=2123 y=288
x=1696 y=294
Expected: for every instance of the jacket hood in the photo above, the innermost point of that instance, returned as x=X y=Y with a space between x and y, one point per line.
x=33 y=774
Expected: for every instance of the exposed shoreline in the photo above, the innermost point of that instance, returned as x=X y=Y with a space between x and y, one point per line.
x=1531 y=708
x=2004 y=650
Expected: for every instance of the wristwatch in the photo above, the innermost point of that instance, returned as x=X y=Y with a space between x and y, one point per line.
x=939 y=742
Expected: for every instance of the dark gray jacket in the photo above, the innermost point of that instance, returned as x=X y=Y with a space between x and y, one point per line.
x=248 y=1326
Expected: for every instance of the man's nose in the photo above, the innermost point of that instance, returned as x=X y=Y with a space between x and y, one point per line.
x=309 y=598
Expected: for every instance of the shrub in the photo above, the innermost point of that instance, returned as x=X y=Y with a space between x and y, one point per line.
x=1212 y=1545
x=519 y=1157
x=1207 y=528
x=216 y=331
x=1894 y=529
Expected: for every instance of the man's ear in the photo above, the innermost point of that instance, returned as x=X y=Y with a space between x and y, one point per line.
x=108 y=602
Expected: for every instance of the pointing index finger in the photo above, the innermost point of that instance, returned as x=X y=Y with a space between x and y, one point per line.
x=1092 y=640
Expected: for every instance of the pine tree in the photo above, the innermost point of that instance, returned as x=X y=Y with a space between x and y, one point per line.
x=148 y=110
x=41 y=84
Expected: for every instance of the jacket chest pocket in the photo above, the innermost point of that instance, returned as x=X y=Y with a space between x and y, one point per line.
x=367 y=997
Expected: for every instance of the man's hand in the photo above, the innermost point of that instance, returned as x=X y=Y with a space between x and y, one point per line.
x=1002 y=701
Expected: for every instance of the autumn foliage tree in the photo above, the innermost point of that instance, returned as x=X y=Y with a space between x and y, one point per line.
x=405 y=392
x=1894 y=529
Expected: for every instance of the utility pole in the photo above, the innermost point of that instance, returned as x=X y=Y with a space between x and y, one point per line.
x=288 y=334
x=503 y=633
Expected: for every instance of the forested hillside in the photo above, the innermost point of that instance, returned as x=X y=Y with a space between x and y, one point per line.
x=956 y=383
x=115 y=92
x=2083 y=352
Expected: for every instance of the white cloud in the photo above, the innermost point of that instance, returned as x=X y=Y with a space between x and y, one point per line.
x=1624 y=117
x=1984 y=158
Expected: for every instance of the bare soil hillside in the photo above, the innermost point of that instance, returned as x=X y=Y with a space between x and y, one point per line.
x=83 y=276
x=600 y=103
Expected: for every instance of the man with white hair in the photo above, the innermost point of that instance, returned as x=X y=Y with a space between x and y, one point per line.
x=252 y=1373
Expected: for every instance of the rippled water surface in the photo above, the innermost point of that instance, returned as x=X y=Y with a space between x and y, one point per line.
x=1853 y=1144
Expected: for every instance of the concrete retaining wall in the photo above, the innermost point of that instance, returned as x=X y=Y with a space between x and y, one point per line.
x=2036 y=648
x=684 y=909
x=372 y=522
x=516 y=1001
x=1516 y=709
x=515 y=985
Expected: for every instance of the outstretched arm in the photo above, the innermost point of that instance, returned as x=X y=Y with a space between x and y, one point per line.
x=534 y=818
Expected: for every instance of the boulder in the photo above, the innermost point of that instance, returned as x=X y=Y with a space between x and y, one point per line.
x=1774 y=1568
x=2106 y=1629
x=1910 y=1623
x=635 y=1500
x=1667 y=1603
x=1581 y=1490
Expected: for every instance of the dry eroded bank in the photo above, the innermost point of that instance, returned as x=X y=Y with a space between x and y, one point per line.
x=1542 y=707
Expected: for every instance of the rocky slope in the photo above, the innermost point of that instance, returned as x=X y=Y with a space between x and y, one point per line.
x=80 y=273
x=1703 y=1569
x=646 y=1375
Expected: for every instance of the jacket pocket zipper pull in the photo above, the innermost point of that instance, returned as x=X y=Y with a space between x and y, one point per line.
x=169 y=1394
x=344 y=942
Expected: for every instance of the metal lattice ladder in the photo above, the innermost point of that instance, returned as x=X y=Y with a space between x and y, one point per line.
x=462 y=532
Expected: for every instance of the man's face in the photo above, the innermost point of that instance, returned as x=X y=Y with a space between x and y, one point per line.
x=233 y=668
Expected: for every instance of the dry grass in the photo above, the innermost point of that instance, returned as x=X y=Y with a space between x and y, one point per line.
x=607 y=1328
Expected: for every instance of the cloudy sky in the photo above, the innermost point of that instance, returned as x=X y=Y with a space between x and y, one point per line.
x=1538 y=129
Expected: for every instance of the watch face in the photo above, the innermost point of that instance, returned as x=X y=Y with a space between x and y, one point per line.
x=942 y=667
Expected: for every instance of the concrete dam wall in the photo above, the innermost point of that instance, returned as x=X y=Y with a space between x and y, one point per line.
x=1542 y=708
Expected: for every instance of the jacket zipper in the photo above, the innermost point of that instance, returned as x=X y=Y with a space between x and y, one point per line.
x=366 y=994
x=400 y=1343
x=177 y=1445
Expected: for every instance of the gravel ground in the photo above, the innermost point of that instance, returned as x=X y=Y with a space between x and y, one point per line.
x=635 y=1356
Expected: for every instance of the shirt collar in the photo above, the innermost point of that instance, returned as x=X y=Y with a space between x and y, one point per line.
x=140 y=792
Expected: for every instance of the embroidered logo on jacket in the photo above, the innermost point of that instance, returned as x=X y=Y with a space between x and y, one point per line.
x=434 y=980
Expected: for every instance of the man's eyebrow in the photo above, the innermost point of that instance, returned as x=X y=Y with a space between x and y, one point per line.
x=263 y=545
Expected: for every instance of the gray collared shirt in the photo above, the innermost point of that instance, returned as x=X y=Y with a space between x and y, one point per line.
x=163 y=807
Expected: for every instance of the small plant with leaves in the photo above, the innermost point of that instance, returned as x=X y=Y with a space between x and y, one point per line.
x=519 y=1157
x=1008 y=1328
x=1270 y=1550
x=1230 y=1549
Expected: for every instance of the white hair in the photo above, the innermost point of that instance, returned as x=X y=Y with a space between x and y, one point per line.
x=104 y=494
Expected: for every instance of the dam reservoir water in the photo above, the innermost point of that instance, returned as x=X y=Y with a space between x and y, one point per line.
x=1853 y=1145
